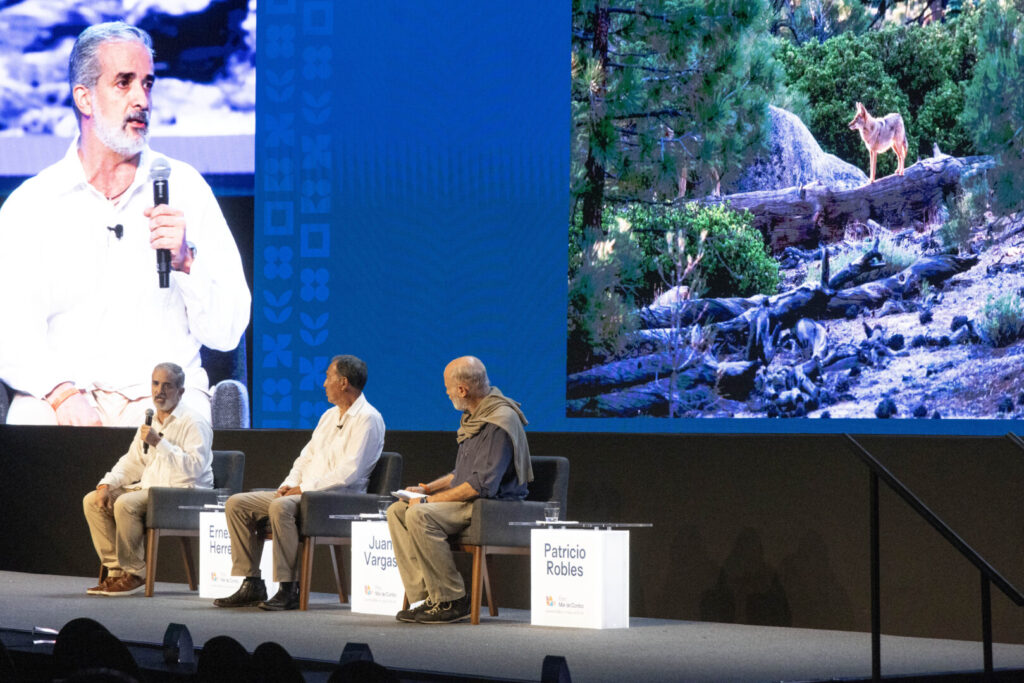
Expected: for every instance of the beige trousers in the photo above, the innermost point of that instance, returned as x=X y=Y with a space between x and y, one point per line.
x=419 y=535
x=119 y=535
x=246 y=515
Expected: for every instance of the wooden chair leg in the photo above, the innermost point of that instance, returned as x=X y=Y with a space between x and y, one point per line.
x=339 y=572
x=492 y=604
x=190 y=564
x=306 y=572
x=152 y=543
x=476 y=580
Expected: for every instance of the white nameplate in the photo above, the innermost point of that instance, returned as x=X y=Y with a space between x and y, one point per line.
x=215 y=580
x=376 y=585
x=579 y=577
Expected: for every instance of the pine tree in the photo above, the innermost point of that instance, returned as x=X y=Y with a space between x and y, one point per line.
x=994 y=100
x=668 y=95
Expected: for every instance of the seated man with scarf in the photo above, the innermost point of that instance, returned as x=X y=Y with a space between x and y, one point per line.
x=493 y=461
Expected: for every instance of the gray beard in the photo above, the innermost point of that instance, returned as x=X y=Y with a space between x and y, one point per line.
x=121 y=141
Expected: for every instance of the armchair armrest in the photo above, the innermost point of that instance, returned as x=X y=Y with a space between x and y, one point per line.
x=316 y=507
x=164 y=511
x=490 y=522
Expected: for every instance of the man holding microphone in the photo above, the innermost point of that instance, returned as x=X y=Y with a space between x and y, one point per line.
x=78 y=268
x=174 y=451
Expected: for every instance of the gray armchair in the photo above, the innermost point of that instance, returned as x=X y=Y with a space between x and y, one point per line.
x=490 y=534
x=164 y=516
x=317 y=528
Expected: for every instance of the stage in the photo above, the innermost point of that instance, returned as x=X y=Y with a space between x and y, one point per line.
x=506 y=647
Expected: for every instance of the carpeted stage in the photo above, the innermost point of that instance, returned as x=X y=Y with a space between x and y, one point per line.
x=503 y=648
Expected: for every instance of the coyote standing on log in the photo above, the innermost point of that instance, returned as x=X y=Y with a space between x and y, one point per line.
x=881 y=134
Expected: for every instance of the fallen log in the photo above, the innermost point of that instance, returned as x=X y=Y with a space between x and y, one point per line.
x=645 y=400
x=934 y=269
x=806 y=301
x=692 y=311
x=870 y=261
x=812 y=214
x=624 y=373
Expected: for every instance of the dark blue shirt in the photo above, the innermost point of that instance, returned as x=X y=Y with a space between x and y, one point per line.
x=485 y=463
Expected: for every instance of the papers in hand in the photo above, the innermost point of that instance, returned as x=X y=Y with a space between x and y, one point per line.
x=402 y=494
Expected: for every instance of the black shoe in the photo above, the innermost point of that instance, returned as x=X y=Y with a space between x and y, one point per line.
x=445 y=612
x=409 y=615
x=251 y=593
x=287 y=597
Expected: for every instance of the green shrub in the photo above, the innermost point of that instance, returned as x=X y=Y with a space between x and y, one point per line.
x=966 y=210
x=938 y=121
x=1002 y=318
x=994 y=102
x=736 y=260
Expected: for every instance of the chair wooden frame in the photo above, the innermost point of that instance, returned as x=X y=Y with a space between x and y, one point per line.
x=551 y=484
x=386 y=476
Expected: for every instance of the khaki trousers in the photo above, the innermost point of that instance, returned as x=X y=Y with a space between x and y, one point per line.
x=246 y=516
x=119 y=535
x=419 y=535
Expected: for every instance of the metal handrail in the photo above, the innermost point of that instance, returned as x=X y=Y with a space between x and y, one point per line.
x=989 y=575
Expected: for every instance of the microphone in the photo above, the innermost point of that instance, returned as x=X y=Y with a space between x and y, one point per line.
x=118 y=230
x=149 y=423
x=159 y=172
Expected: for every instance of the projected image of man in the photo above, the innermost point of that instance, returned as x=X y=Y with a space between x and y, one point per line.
x=85 y=314
x=493 y=461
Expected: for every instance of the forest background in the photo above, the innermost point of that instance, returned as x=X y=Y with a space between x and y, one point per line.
x=670 y=103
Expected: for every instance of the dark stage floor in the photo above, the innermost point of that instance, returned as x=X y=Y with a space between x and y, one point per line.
x=506 y=647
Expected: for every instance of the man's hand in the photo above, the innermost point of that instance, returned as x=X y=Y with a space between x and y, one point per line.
x=77 y=412
x=103 y=496
x=417 y=489
x=149 y=435
x=286 y=490
x=167 y=231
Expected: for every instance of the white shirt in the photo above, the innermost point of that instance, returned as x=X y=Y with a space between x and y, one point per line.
x=343 y=450
x=183 y=458
x=79 y=304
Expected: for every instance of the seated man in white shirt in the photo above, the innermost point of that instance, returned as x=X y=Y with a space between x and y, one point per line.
x=341 y=454
x=174 y=451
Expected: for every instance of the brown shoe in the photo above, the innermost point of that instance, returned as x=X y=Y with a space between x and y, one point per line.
x=102 y=585
x=126 y=584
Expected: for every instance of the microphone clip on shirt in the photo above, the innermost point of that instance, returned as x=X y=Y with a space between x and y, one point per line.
x=118 y=230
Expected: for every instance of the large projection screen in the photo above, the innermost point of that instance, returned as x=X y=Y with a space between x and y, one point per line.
x=413 y=205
